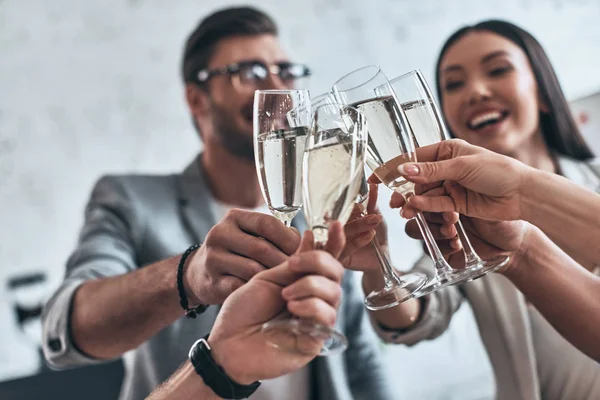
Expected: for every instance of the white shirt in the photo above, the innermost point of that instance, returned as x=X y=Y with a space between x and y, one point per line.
x=294 y=386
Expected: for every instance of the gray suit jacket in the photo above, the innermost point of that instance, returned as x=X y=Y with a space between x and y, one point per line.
x=132 y=221
x=531 y=360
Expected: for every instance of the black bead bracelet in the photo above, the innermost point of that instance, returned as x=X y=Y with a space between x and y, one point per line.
x=189 y=312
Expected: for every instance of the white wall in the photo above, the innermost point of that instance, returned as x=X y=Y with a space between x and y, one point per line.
x=92 y=87
x=88 y=88
x=586 y=111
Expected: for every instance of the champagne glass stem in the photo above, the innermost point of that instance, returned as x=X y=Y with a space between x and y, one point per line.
x=286 y=218
x=440 y=263
x=389 y=275
x=471 y=256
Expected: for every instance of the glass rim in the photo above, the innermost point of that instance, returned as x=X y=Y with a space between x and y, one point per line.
x=339 y=90
x=280 y=91
x=314 y=130
x=342 y=105
x=416 y=72
x=322 y=96
x=317 y=98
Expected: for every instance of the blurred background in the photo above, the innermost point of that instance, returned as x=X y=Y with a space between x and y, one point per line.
x=89 y=88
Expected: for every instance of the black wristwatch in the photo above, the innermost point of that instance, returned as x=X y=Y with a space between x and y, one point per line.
x=214 y=376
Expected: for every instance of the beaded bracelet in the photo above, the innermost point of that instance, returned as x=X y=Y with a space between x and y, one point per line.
x=189 y=312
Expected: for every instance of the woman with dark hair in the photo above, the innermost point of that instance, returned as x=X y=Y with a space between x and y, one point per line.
x=506 y=55
x=498 y=90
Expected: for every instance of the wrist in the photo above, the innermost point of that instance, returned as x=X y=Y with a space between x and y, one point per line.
x=400 y=317
x=189 y=272
x=229 y=363
x=530 y=178
x=521 y=258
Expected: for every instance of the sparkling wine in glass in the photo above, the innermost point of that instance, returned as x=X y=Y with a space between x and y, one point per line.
x=332 y=173
x=279 y=143
x=389 y=145
x=279 y=146
x=428 y=127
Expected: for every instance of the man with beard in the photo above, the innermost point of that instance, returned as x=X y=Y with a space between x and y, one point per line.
x=123 y=294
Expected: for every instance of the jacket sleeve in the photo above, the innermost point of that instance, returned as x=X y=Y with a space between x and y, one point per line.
x=436 y=313
x=106 y=247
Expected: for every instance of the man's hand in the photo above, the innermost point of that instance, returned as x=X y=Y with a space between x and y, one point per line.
x=308 y=285
x=243 y=244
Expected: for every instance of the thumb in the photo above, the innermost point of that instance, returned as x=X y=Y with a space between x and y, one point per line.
x=336 y=240
x=307 y=242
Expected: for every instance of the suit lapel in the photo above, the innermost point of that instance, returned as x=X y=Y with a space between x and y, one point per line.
x=195 y=201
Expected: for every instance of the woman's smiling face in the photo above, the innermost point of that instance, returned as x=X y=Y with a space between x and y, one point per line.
x=489 y=93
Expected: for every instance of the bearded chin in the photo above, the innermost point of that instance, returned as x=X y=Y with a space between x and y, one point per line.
x=240 y=148
x=237 y=142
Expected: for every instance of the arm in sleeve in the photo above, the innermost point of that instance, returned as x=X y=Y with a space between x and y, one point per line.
x=106 y=247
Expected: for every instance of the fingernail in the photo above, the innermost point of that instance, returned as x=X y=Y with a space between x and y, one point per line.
x=447 y=217
x=402 y=213
x=408 y=169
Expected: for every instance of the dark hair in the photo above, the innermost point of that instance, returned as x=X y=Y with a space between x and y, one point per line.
x=238 y=21
x=558 y=127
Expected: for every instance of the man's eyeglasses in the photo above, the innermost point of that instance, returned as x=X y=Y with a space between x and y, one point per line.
x=254 y=73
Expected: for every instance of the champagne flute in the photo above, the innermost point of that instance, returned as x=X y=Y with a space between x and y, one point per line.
x=390 y=145
x=323 y=99
x=332 y=170
x=279 y=141
x=396 y=289
x=428 y=127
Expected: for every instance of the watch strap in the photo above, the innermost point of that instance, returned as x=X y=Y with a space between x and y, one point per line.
x=214 y=376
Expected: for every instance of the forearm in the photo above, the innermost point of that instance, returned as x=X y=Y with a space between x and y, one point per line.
x=400 y=317
x=568 y=213
x=565 y=293
x=113 y=315
x=184 y=384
